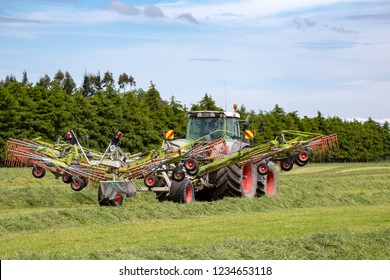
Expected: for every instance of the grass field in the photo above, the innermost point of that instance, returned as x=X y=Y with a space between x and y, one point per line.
x=321 y=211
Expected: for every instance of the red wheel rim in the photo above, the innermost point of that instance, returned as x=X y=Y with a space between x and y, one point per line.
x=118 y=198
x=178 y=176
x=190 y=164
x=189 y=194
x=263 y=169
x=247 y=178
x=150 y=181
x=286 y=164
x=38 y=171
x=303 y=157
x=270 y=183
x=76 y=184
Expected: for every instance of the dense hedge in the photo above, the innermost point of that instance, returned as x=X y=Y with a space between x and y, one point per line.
x=49 y=110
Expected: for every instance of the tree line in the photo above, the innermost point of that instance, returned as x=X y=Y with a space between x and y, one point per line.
x=98 y=108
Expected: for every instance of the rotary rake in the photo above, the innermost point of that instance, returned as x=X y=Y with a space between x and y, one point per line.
x=174 y=172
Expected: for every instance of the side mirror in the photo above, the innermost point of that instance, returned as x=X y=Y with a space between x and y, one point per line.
x=261 y=128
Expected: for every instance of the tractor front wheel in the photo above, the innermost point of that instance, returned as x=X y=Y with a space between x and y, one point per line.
x=235 y=181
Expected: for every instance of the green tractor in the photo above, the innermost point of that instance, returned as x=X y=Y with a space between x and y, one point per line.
x=236 y=180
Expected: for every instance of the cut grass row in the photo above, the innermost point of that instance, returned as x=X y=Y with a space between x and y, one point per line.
x=192 y=233
x=342 y=245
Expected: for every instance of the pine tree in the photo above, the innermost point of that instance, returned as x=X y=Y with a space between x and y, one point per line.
x=207 y=103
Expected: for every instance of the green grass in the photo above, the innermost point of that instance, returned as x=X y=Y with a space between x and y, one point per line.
x=321 y=211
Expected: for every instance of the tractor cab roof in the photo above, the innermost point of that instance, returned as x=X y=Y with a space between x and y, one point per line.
x=212 y=114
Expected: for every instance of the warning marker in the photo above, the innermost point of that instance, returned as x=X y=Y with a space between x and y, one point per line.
x=169 y=134
x=249 y=134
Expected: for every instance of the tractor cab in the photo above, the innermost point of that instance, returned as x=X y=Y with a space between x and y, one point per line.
x=213 y=124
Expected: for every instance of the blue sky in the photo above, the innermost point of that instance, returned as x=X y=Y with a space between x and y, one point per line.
x=307 y=56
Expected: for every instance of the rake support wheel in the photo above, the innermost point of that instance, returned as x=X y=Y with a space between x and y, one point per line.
x=182 y=192
x=38 y=172
x=77 y=184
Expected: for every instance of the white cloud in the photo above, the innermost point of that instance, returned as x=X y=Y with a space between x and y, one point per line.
x=123 y=8
x=247 y=8
x=188 y=17
x=153 y=12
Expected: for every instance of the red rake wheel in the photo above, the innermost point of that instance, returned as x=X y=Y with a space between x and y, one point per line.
x=262 y=169
x=38 y=172
x=150 y=181
x=303 y=157
x=86 y=181
x=190 y=164
x=77 y=184
x=193 y=172
x=299 y=163
x=178 y=175
x=66 y=178
x=286 y=165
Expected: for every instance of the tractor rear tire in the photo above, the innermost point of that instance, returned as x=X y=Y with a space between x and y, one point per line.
x=182 y=192
x=268 y=184
x=235 y=181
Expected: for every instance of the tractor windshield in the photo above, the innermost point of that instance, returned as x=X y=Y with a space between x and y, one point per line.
x=199 y=127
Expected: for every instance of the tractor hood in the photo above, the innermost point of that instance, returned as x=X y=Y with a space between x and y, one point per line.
x=184 y=144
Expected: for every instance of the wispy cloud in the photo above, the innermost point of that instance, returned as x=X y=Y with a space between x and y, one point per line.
x=208 y=59
x=123 y=8
x=328 y=44
x=188 y=17
x=305 y=24
x=20 y=21
x=153 y=11
x=369 y=17
x=357 y=82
